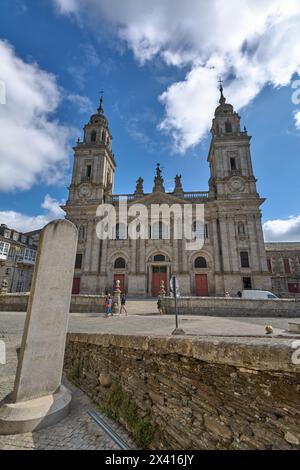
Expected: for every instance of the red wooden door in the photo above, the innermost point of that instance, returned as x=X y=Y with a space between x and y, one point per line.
x=121 y=278
x=159 y=273
x=76 y=285
x=201 y=285
x=293 y=288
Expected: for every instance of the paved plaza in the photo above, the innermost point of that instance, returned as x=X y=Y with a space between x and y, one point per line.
x=78 y=431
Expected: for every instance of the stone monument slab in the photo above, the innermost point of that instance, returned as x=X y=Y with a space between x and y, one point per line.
x=37 y=385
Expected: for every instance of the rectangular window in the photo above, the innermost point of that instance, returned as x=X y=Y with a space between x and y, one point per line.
x=4 y=249
x=287 y=266
x=206 y=231
x=78 y=261
x=88 y=171
x=245 y=259
x=269 y=261
x=232 y=164
x=247 y=283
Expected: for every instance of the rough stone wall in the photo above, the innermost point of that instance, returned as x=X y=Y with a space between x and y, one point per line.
x=79 y=303
x=191 y=393
x=227 y=307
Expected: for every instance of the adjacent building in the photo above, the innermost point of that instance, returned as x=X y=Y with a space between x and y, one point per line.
x=283 y=261
x=17 y=258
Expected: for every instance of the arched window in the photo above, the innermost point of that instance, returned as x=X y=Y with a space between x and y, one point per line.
x=228 y=127
x=159 y=231
x=159 y=258
x=241 y=228
x=103 y=137
x=121 y=232
x=81 y=233
x=200 y=262
x=93 y=136
x=120 y=263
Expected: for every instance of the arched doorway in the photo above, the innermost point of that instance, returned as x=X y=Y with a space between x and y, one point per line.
x=119 y=273
x=201 y=281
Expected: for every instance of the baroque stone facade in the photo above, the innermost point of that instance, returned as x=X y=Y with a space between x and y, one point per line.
x=233 y=256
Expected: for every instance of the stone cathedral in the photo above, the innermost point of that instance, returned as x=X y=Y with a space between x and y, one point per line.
x=233 y=256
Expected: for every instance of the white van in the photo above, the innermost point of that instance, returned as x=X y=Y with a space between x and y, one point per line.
x=258 y=294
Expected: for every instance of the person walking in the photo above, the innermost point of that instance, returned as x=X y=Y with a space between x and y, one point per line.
x=123 y=303
x=108 y=306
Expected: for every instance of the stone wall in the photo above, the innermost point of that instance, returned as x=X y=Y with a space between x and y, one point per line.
x=192 y=393
x=79 y=303
x=224 y=307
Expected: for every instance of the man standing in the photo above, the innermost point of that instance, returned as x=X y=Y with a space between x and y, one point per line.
x=123 y=303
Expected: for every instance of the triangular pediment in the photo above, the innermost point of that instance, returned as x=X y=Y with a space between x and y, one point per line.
x=158 y=198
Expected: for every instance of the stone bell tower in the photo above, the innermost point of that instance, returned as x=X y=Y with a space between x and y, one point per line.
x=94 y=162
x=92 y=184
x=240 y=258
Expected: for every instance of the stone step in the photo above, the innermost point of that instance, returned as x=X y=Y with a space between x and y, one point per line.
x=294 y=326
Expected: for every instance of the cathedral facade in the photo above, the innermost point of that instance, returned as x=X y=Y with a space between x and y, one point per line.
x=233 y=256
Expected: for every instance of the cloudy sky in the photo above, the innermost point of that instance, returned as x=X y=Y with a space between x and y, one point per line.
x=158 y=63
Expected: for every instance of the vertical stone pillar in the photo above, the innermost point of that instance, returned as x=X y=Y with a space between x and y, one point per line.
x=38 y=398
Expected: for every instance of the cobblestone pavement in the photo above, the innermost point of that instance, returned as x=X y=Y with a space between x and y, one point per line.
x=77 y=431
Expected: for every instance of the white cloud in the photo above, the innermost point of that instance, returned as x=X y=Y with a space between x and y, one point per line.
x=33 y=146
x=83 y=103
x=251 y=43
x=27 y=223
x=282 y=230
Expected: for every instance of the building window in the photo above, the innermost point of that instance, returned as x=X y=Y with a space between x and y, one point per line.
x=120 y=263
x=93 y=136
x=245 y=259
x=121 y=232
x=159 y=258
x=88 y=171
x=269 y=262
x=228 y=127
x=78 y=261
x=29 y=255
x=247 y=283
x=200 y=263
x=4 y=249
x=233 y=164
x=287 y=266
x=159 y=231
x=20 y=286
x=7 y=271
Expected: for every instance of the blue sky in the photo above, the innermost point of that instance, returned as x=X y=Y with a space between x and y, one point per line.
x=159 y=96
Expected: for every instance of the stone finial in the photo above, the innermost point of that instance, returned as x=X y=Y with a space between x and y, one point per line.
x=139 y=189
x=178 y=185
x=158 y=180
